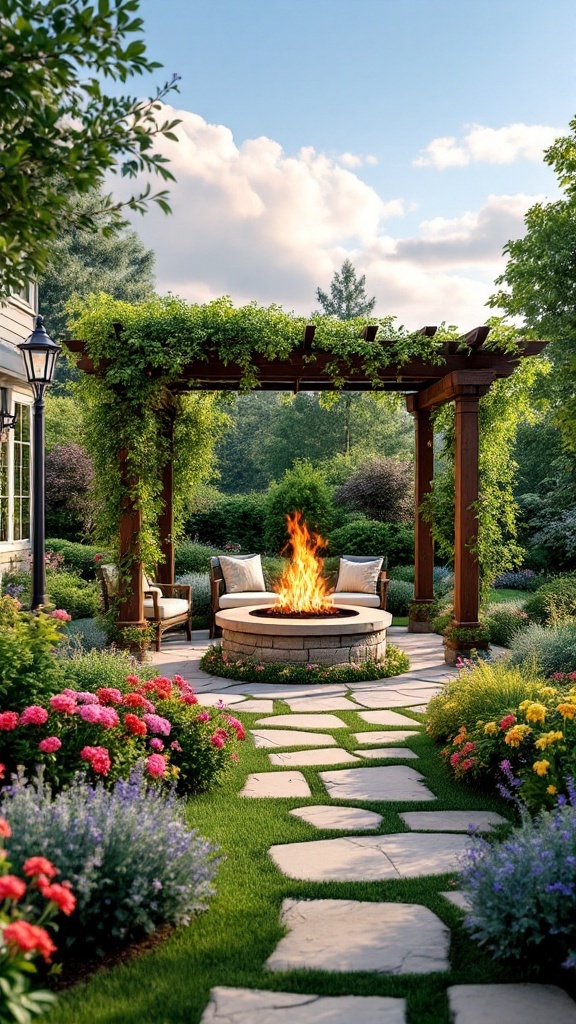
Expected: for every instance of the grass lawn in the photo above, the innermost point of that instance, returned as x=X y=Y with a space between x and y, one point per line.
x=229 y=944
x=504 y=594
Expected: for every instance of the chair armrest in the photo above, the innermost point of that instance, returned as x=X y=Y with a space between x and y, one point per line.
x=382 y=587
x=183 y=590
x=154 y=595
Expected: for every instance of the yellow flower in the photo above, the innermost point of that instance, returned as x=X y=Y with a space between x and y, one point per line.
x=525 y=704
x=567 y=710
x=516 y=734
x=551 y=789
x=547 y=691
x=536 y=713
x=541 y=767
x=490 y=729
x=547 y=738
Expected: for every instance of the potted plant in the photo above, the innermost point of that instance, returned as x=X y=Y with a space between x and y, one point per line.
x=420 y=616
x=460 y=641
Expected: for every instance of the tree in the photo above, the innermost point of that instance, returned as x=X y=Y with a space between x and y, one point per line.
x=69 y=478
x=81 y=262
x=539 y=283
x=347 y=297
x=62 y=132
x=382 y=489
x=301 y=489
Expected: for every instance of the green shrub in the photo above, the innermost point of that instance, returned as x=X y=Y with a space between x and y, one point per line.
x=302 y=488
x=87 y=671
x=441 y=621
x=552 y=647
x=504 y=620
x=200 y=583
x=193 y=558
x=28 y=669
x=84 y=635
x=272 y=569
x=405 y=573
x=554 y=602
x=230 y=519
x=399 y=597
x=394 y=542
x=490 y=690
x=79 y=557
x=76 y=596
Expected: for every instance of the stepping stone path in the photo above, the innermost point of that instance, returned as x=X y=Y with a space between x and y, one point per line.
x=348 y=935
x=342 y=818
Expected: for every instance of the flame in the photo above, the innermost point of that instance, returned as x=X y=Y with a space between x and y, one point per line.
x=301 y=587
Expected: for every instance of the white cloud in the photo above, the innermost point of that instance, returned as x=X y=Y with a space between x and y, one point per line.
x=489 y=145
x=255 y=223
x=350 y=160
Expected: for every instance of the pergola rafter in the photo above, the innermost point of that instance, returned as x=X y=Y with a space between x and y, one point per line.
x=459 y=371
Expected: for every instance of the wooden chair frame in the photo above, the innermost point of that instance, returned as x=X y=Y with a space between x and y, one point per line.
x=161 y=626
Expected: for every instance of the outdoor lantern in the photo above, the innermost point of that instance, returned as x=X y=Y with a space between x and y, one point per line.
x=7 y=419
x=39 y=353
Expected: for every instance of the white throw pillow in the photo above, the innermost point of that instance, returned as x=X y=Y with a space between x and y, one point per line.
x=358 y=577
x=241 y=574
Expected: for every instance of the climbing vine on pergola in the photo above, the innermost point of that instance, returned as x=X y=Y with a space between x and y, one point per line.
x=141 y=361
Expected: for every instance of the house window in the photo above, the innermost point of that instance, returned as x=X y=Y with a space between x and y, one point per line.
x=21 y=475
x=3 y=491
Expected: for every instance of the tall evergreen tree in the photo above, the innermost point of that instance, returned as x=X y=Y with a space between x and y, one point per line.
x=347 y=297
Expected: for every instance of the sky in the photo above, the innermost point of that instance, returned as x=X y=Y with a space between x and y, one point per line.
x=405 y=135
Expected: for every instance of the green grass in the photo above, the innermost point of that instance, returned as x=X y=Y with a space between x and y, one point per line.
x=228 y=945
x=505 y=594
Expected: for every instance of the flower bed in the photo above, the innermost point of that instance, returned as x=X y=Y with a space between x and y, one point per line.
x=218 y=663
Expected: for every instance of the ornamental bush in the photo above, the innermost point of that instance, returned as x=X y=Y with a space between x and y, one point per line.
x=522 y=579
x=69 y=476
x=382 y=489
x=394 y=542
x=218 y=663
x=303 y=488
x=79 y=598
x=80 y=558
x=28 y=668
x=230 y=519
x=193 y=558
x=553 y=647
x=504 y=620
x=555 y=602
x=523 y=890
x=201 y=599
x=132 y=860
x=399 y=597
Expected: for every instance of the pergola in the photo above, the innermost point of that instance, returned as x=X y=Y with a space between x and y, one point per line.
x=466 y=372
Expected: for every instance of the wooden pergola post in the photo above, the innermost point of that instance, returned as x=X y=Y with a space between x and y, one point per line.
x=466 y=492
x=130 y=592
x=165 y=568
x=423 y=477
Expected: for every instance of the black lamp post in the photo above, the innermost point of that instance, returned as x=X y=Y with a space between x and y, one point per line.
x=39 y=353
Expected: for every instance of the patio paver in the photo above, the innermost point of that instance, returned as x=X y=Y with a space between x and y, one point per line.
x=511 y=1004
x=341 y=818
x=395 y=782
x=249 y=1006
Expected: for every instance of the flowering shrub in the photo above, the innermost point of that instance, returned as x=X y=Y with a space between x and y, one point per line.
x=522 y=579
x=28 y=905
x=218 y=663
x=555 y=602
x=28 y=670
x=523 y=890
x=133 y=862
x=107 y=732
x=504 y=620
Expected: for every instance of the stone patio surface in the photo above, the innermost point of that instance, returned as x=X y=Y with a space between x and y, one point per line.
x=452 y=821
x=275 y=784
x=385 y=736
x=247 y=1006
x=341 y=818
x=395 y=782
x=291 y=738
x=511 y=1004
x=390 y=752
x=388 y=718
x=298 y=758
x=312 y=721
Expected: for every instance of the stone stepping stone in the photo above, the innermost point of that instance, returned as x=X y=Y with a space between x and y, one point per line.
x=395 y=752
x=385 y=736
x=459 y=899
x=278 y=692
x=341 y=818
x=386 y=718
x=370 y=858
x=248 y=1006
x=349 y=935
x=256 y=707
x=209 y=700
x=320 y=704
x=512 y=1004
x=276 y=784
x=395 y=782
x=451 y=821
x=304 y=758
x=380 y=699
x=290 y=738
x=304 y=722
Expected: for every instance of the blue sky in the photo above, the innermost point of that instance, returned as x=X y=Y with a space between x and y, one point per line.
x=406 y=134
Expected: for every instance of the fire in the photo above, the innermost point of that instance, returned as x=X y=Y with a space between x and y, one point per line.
x=301 y=587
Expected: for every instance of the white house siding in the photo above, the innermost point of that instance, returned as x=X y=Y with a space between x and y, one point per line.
x=16 y=323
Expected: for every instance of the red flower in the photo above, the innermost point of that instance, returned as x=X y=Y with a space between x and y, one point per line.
x=62 y=702
x=455 y=758
x=135 y=725
x=133 y=680
x=50 y=745
x=5 y=829
x=11 y=888
x=507 y=721
x=189 y=698
x=135 y=700
x=98 y=758
x=34 y=715
x=8 y=720
x=2 y=770
x=217 y=740
x=61 y=615
x=39 y=866
x=109 y=695
x=156 y=765
x=29 y=937
x=58 y=894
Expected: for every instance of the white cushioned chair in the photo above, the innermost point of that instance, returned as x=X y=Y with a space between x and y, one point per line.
x=166 y=605
x=222 y=597
x=361 y=581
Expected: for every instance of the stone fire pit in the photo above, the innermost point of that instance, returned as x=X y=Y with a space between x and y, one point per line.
x=319 y=641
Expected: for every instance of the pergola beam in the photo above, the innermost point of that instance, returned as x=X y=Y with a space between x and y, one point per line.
x=472 y=382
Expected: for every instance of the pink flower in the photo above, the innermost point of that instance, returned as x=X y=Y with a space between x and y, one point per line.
x=204 y=716
x=98 y=559
x=8 y=720
x=217 y=740
x=50 y=745
x=260 y=668
x=180 y=681
x=59 y=894
x=108 y=718
x=507 y=721
x=220 y=704
x=189 y=698
x=33 y=715
x=61 y=615
x=98 y=757
x=81 y=696
x=234 y=757
x=90 y=713
x=176 y=746
x=455 y=758
x=467 y=763
x=157 y=724
x=63 y=702
x=157 y=744
x=156 y=765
